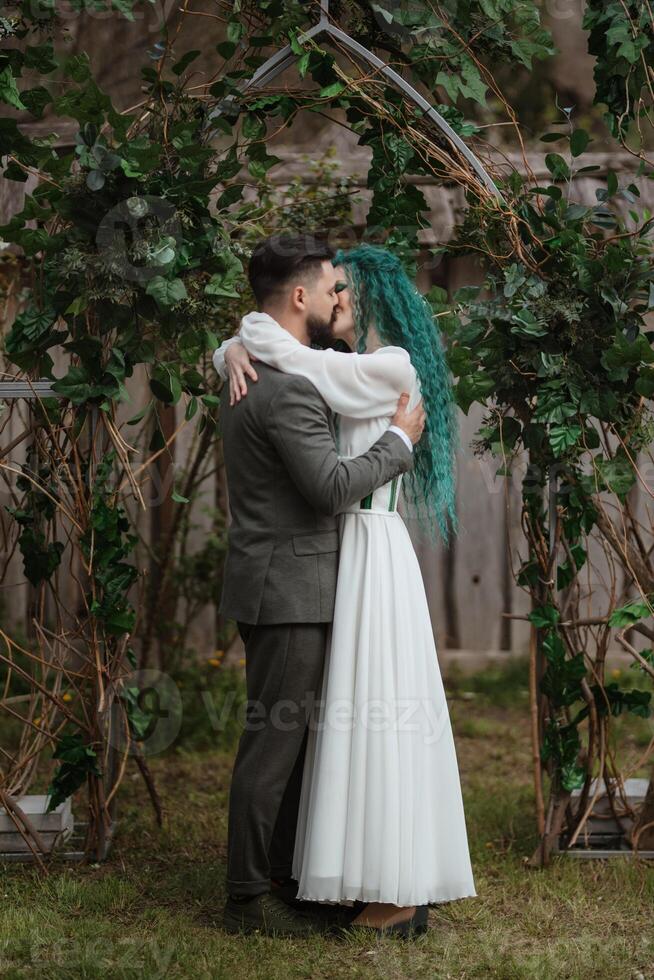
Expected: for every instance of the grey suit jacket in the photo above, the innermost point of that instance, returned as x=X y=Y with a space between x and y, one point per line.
x=286 y=485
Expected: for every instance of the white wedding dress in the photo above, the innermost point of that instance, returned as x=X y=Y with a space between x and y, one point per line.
x=381 y=813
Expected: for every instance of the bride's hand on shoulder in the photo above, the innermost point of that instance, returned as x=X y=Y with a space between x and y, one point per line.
x=239 y=364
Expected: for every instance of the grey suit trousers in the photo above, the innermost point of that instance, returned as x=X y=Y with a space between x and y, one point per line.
x=284 y=666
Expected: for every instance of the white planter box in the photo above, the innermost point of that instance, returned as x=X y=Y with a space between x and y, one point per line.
x=53 y=827
x=602 y=835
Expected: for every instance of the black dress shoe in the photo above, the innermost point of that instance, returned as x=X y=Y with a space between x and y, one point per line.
x=270 y=915
x=285 y=888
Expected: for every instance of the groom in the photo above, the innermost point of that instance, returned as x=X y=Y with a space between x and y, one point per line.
x=286 y=485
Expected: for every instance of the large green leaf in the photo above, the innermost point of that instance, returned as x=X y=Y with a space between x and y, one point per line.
x=167 y=292
x=8 y=89
x=578 y=142
x=165 y=384
x=223 y=283
x=616 y=474
x=32 y=329
x=78 y=761
x=562 y=437
x=557 y=166
x=630 y=613
x=75 y=385
x=474 y=387
x=254 y=126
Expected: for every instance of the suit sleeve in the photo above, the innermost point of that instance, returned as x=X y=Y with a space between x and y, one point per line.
x=298 y=426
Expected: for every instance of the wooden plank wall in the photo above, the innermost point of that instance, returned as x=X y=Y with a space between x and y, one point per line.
x=468 y=587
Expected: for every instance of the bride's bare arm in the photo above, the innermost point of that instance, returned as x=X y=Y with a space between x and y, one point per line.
x=239 y=365
x=355 y=385
x=232 y=361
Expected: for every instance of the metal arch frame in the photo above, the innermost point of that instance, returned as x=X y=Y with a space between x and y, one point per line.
x=285 y=57
x=273 y=67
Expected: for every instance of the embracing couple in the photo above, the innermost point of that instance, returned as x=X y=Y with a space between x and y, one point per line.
x=345 y=806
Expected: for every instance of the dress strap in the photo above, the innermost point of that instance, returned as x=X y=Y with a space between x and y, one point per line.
x=382 y=500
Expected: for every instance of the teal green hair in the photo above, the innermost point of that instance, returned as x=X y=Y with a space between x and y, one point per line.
x=383 y=296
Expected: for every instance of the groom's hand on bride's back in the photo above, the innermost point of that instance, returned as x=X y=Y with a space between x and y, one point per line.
x=413 y=422
x=239 y=363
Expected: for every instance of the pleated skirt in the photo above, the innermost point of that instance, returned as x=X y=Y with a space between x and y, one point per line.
x=381 y=814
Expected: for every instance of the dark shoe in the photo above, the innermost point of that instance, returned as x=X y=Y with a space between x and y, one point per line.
x=336 y=916
x=268 y=914
x=333 y=916
x=286 y=889
x=413 y=927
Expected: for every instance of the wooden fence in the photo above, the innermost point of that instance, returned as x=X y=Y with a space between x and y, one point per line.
x=470 y=586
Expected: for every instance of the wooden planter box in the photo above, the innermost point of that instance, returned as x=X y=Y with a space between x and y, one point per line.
x=602 y=836
x=53 y=827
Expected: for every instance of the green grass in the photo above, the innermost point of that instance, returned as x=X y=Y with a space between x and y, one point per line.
x=153 y=908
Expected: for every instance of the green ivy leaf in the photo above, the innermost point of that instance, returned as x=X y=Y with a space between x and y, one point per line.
x=254 y=127
x=78 y=760
x=40 y=559
x=77 y=306
x=474 y=387
x=223 y=283
x=75 y=385
x=331 y=91
x=544 y=617
x=166 y=292
x=631 y=612
x=617 y=475
x=235 y=31
x=563 y=437
x=8 y=90
x=303 y=64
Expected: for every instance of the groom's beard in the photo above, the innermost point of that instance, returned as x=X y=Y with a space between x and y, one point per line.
x=321 y=332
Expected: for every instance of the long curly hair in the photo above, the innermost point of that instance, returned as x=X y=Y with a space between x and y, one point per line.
x=384 y=298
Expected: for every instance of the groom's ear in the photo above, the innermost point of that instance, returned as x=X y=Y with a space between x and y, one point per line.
x=299 y=297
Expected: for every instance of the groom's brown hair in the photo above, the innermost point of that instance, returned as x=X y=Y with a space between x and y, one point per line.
x=285 y=258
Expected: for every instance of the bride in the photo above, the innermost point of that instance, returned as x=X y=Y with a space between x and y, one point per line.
x=381 y=817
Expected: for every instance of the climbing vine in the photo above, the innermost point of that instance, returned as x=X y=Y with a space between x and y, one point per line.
x=133 y=245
